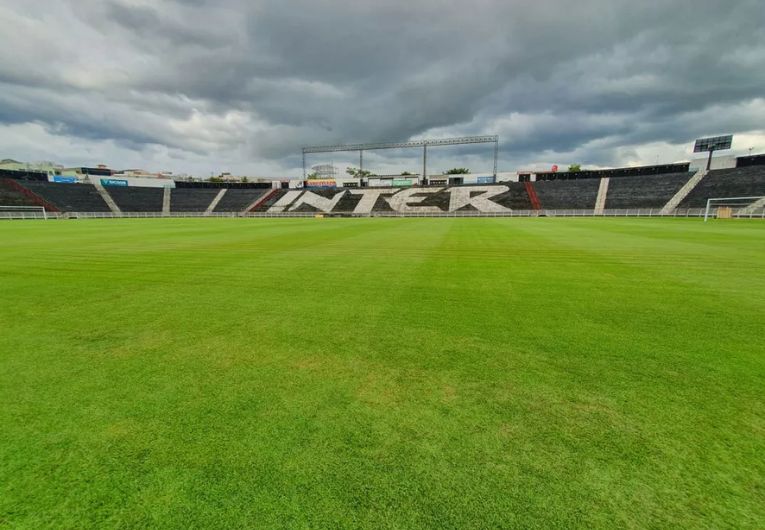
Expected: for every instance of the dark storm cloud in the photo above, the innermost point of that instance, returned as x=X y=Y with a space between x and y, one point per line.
x=149 y=25
x=256 y=80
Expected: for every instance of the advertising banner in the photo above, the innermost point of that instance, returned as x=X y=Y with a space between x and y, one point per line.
x=321 y=183
x=402 y=182
x=114 y=182
x=65 y=180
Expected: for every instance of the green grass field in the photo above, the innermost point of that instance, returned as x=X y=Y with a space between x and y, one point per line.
x=382 y=373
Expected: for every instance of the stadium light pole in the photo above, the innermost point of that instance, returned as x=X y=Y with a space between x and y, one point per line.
x=424 y=163
x=496 y=155
x=712 y=144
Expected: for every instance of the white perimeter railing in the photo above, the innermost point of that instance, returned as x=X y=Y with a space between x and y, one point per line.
x=630 y=212
x=23 y=212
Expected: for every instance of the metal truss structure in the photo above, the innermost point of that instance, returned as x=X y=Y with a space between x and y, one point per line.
x=404 y=145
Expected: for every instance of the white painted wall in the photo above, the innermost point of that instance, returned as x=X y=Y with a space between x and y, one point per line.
x=718 y=162
x=377 y=183
x=507 y=176
x=341 y=181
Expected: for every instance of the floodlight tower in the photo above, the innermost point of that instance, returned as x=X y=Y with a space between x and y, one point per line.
x=398 y=145
x=712 y=144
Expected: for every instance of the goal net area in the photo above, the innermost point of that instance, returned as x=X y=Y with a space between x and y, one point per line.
x=734 y=207
x=22 y=212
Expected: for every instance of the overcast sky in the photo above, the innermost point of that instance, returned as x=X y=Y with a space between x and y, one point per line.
x=200 y=86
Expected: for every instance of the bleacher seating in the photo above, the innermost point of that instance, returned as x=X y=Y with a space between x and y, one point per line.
x=137 y=199
x=236 y=200
x=13 y=197
x=568 y=194
x=751 y=160
x=191 y=199
x=69 y=197
x=516 y=198
x=439 y=200
x=519 y=199
x=650 y=191
x=638 y=172
x=272 y=199
x=20 y=174
x=738 y=182
x=633 y=192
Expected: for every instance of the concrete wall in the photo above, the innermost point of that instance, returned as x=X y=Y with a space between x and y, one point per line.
x=406 y=180
x=507 y=176
x=718 y=162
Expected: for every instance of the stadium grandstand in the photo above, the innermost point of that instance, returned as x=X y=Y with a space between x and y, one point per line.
x=668 y=189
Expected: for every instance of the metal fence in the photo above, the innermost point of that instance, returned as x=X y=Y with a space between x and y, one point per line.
x=629 y=212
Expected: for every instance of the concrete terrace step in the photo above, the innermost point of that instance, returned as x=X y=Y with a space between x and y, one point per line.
x=106 y=197
x=215 y=201
x=260 y=200
x=756 y=205
x=683 y=192
x=600 y=200
x=166 y=201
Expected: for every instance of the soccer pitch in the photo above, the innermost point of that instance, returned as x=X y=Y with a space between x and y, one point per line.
x=382 y=373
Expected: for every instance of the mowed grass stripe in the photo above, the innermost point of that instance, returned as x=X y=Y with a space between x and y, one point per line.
x=382 y=373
